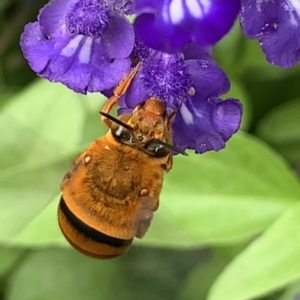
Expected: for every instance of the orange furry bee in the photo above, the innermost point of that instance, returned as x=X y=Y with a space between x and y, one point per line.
x=110 y=193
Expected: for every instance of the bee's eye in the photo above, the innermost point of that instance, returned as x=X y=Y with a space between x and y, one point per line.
x=155 y=149
x=122 y=134
x=158 y=148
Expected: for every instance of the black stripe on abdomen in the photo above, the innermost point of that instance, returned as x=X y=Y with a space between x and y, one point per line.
x=90 y=232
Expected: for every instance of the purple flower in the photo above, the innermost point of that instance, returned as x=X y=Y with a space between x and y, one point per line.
x=189 y=83
x=169 y=25
x=84 y=44
x=276 y=24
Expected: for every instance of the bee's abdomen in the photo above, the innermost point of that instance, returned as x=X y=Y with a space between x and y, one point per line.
x=86 y=239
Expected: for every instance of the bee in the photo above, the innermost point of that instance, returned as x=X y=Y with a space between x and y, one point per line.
x=110 y=193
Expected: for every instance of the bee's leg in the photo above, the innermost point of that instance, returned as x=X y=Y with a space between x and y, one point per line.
x=120 y=89
x=170 y=118
x=168 y=165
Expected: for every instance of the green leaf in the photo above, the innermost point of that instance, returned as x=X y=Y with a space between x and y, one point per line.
x=231 y=45
x=42 y=128
x=46 y=109
x=205 y=273
x=222 y=197
x=280 y=128
x=24 y=194
x=3 y=4
x=154 y=273
x=8 y=258
x=62 y=274
x=92 y=127
x=269 y=263
x=292 y=292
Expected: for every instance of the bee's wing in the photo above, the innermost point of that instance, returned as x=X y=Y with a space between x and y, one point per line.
x=144 y=215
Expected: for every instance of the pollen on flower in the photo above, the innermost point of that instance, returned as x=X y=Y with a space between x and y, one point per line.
x=121 y=6
x=192 y=91
x=165 y=77
x=88 y=17
x=140 y=51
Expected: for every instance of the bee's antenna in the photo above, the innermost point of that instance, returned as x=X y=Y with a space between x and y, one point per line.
x=115 y=120
x=171 y=147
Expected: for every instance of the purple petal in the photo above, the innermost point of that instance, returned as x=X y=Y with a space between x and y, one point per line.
x=92 y=72
x=193 y=51
x=108 y=92
x=107 y=73
x=216 y=22
x=206 y=125
x=282 y=47
x=147 y=6
x=227 y=117
x=124 y=110
x=52 y=17
x=163 y=37
x=76 y=61
x=118 y=38
x=255 y=15
x=276 y=24
x=208 y=79
x=175 y=23
x=35 y=47
x=135 y=94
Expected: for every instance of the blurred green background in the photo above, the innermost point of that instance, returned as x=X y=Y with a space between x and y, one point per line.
x=228 y=227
